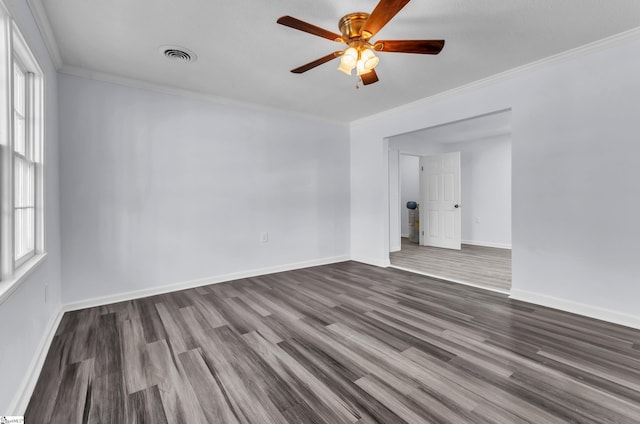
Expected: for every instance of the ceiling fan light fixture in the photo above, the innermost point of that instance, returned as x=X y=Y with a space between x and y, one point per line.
x=349 y=60
x=343 y=68
x=369 y=59
x=349 y=57
x=361 y=70
x=357 y=29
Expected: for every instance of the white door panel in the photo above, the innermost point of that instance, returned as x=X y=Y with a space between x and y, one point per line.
x=440 y=215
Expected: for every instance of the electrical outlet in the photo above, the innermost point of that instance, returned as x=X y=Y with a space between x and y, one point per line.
x=264 y=237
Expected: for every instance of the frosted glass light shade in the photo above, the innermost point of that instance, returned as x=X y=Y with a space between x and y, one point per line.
x=369 y=59
x=349 y=58
x=342 y=68
x=361 y=69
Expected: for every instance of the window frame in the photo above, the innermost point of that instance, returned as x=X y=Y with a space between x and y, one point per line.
x=14 y=50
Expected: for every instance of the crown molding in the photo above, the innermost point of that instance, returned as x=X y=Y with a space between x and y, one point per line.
x=43 y=24
x=580 y=51
x=186 y=93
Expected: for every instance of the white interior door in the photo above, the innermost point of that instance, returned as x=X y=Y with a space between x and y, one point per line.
x=440 y=217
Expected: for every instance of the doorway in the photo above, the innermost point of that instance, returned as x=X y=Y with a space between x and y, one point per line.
x=484 y=143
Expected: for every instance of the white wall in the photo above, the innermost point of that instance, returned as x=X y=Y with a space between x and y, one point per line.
x=409 y=188
x=160 y=189
x=574 y=176
x=25 y=318
x=486 y=191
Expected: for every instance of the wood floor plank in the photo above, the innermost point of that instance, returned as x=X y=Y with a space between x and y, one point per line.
x=248 y=397
x=43 y=399
x=108 y=400
x=392 y=399
x=108 y=358
x=73 y=402
x=340 y=379
x=338 y=344
x=165 y=372
x=145 y=407
x=134 y=358
x=309 y=387
x=211 y=396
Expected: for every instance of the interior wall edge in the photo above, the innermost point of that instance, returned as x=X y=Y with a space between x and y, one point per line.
x=43 y=24
x=583 y=309
x=487 y=244
x=372 y=261
x=18 y=405
x=122 y=297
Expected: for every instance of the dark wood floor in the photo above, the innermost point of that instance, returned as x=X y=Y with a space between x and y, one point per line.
x=481 y=266
x=345 y=343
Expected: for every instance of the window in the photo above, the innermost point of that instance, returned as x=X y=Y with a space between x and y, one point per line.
x=21 y=159
x=24 y=169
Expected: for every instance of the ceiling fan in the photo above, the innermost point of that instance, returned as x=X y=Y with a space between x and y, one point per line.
x=357 y=30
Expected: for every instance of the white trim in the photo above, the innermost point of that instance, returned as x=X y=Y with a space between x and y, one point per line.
x=510 y=73
x=452 y=280
x=136 y=294
x=186 y=93
x=19 y=403
x=590 y=311
x=43 y=24
x=487 y=244
x=7 y=287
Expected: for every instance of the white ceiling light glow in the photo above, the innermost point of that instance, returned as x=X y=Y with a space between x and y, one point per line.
x=362 y=59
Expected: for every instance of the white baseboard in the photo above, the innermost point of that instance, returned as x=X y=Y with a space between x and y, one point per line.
x=136 y=294
x=590 y=311
x=21 y=399
x=487 y=244
x=371 y=261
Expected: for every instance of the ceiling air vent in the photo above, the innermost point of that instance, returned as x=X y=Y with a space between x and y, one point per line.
x=178 y=54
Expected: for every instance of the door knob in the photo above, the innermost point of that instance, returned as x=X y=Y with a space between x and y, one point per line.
x=456 y=206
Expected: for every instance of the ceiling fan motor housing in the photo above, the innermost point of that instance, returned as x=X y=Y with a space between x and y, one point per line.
x=351 y=24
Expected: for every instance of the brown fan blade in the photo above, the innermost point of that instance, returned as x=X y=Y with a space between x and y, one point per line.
x=410 y=46
x=384 y=11
x=317 y=62
x=369 y=78
x=311 y=29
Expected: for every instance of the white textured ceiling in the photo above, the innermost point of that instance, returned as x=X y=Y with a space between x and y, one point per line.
x=245 y=56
